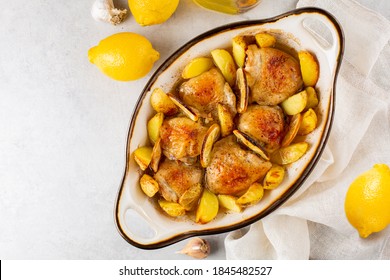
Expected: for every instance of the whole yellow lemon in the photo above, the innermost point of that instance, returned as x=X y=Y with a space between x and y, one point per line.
x=367 y=202
x=124 y=56
x=149 y=12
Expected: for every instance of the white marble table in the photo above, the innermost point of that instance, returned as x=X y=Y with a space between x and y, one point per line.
x=63 y=126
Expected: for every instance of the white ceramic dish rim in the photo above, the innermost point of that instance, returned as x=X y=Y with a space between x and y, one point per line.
x=165 y=230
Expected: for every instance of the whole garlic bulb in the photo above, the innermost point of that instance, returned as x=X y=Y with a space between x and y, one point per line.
x=104 y=10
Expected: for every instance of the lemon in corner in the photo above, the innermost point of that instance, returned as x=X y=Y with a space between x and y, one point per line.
x=149 y=12
x=367 y=202
x=124 y=56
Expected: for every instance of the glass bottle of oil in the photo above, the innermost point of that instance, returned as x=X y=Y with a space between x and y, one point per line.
x=228 y=6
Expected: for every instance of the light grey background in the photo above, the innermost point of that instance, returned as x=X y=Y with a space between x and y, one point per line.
x=63 y=126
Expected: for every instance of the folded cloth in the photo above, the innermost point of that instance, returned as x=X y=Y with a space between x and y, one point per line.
x=312 y=223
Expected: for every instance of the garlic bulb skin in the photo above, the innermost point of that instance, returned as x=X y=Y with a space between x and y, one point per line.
x=104 y=10
x=197 y=248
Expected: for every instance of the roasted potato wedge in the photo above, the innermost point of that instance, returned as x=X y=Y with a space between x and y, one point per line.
x=252 y=196
x=239 y=46
x=173 y=209
x=225 y=63
x=154 y=125
x=148 y=185
x=143 y=156
x=309 y=68
x=156 y=155
x=190 y=197
x=274 y=177
x=208 y=207
x=161 y=103
x=309 y=122
x=243 y=90
x=226 y=120
x=295 y=123
x=290 y=154
x=251 y=144
x=295 y=103
x=312 y=98
x=196 y=67
x=184 y=108
x=229 y=202
x=210 y=138
x=265 y=40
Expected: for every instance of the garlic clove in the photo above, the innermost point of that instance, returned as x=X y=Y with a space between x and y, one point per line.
x=104 y=10
x=197 y=248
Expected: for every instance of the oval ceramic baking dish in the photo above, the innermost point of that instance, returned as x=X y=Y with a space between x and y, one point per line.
x=144 y=225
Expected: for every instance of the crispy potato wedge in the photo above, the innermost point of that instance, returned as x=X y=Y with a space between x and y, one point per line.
x=239 y=46
x=252 y=144
x=290 y=154
x=190 y=197
x=184 y=108
x=295 y=103
x=210 y=138
x=243 y=90
x=196 y=67
x=208 y=207
x=252 y=196
x=161 y=103
x=156 y=155
x=226 y=120
x=148 y=185
x=143 y=156
x=274 y=177
x=309 y=68
x=154 y=125
x=229 y=202
x=293 y=128
x=309 y=122
x=265 y=40
x=173 y=209
x=312 y=98
x=225 y=63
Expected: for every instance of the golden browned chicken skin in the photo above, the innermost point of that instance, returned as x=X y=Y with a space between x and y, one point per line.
x=205 y=91
x=233 y=169
x=273 y=75
x=175 y=177
x=182 y=138
x=265 y=124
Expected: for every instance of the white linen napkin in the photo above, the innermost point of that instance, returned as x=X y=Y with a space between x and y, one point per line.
x=312 y=224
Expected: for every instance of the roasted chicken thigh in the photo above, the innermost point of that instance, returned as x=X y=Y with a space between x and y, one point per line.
x=182 y=138
x=175 y=177
x=273 y=75
x=233 y=169
x=204 y=92
x=265 y=124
